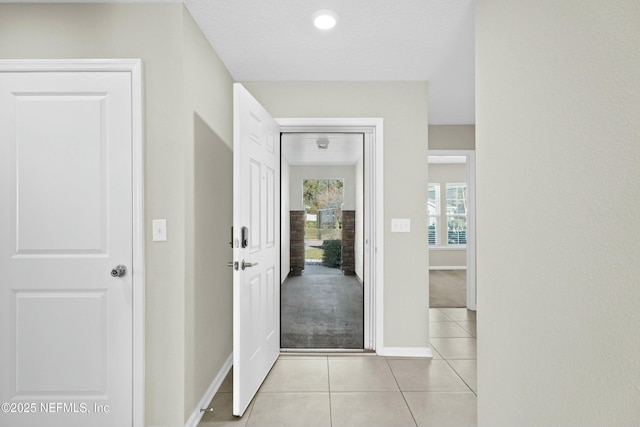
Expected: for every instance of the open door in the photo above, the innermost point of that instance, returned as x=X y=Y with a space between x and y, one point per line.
x=256 y=246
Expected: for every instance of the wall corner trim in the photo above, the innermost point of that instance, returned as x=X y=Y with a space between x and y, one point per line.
x=197 y=414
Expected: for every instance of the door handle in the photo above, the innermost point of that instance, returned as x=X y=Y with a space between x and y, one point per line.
x=248 y=264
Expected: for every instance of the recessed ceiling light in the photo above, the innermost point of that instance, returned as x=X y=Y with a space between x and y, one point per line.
x=325 y=19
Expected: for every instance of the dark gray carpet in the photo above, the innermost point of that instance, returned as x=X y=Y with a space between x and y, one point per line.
x=447 y=288
x=322 y=309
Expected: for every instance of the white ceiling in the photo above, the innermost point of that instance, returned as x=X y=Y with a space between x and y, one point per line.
x=301 y=149
x=375 y=40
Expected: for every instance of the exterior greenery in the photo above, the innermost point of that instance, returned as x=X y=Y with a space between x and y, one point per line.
x=332 y=256
x=323 y=199
x=314 y=253
x=320 y=194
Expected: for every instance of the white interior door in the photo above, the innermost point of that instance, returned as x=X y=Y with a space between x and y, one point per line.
x=65 y=223
x=256 y=225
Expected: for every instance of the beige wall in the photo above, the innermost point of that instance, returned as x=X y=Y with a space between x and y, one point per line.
x=443 y=174
x=403 y=105
x=182 y=77
x=558 y=138
x=452 y=137
x=208 y=120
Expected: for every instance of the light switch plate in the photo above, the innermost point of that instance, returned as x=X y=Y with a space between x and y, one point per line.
x=159 y=230
x=400 y=225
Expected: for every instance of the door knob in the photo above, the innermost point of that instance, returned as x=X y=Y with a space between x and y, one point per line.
x=119 y=271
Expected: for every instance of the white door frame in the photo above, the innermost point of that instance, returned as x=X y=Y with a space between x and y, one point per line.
x=372 y=128
x=134 y=67
x=471 y=219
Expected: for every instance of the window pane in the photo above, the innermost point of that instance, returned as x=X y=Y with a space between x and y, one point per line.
x=456 y=199
x=433 y=208
x=456 y=209
x=434 y=199
x=456 y=230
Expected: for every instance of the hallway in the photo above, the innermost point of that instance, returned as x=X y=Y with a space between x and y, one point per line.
x=333 y=390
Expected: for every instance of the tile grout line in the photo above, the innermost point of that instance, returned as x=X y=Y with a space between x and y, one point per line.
x=401 y=392
x=454 y=370
x=459 y=376
x=441 y=312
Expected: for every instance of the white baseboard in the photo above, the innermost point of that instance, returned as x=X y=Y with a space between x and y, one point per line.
x=196 y=415
x=405 y=352
x=448 y=267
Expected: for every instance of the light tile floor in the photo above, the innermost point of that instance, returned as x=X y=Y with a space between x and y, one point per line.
x=366 y=390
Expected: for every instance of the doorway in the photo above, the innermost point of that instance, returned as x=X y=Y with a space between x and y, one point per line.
x=451 y=206
x=373 y=233
x=322 y=292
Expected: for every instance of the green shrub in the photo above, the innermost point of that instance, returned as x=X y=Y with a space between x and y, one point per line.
x=332 y=256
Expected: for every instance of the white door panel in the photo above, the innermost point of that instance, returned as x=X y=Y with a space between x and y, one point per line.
x=65 y=221
x=256 y=292
x=57 y=137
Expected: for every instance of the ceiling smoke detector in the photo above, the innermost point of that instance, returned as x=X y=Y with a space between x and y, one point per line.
x=322 y=143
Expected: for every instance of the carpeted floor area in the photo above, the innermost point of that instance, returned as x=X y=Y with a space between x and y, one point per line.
x=447 y=288
x=322 y=309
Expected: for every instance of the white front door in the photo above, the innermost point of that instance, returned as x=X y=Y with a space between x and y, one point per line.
x=256 y=231
x=65 y=224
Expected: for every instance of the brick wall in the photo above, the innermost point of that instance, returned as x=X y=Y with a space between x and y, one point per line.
x=348 y=242
x=296 y=252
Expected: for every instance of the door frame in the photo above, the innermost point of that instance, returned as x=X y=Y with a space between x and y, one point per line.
x=372 y=128
x=471 y=219
x=134 y=68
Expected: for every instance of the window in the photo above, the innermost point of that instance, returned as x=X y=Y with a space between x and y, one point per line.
x=434 y=214
x=456 y=214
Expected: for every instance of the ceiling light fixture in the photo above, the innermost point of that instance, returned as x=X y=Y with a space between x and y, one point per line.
x=325 y=19
x=322 y=143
